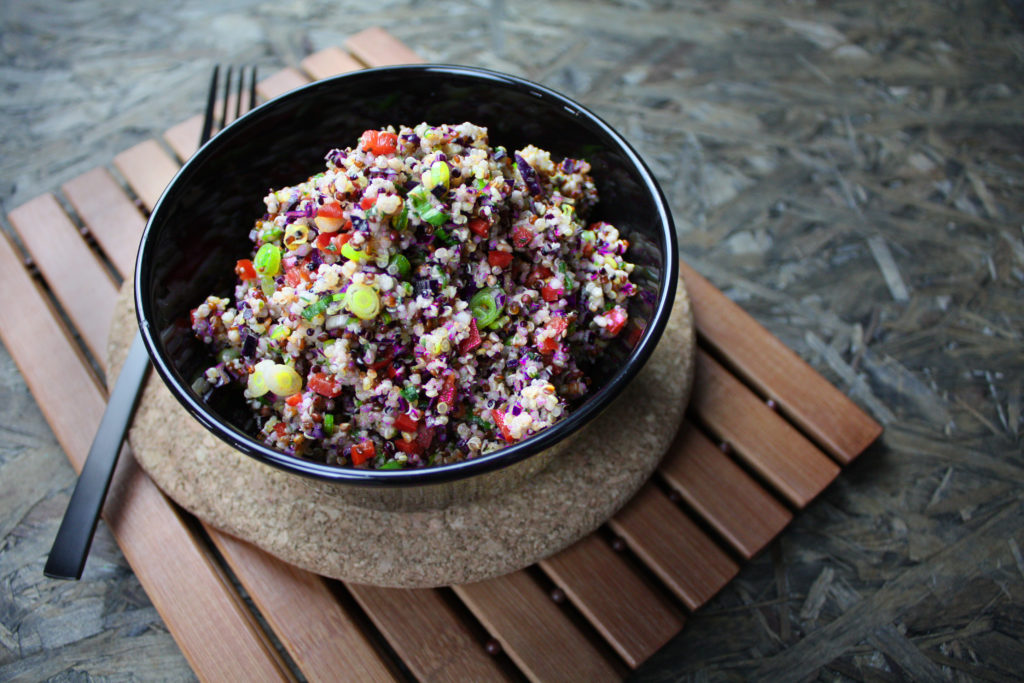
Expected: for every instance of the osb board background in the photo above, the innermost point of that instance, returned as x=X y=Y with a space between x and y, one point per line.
x=850 y=172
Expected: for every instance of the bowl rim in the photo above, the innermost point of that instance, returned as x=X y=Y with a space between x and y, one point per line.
x=495 y=460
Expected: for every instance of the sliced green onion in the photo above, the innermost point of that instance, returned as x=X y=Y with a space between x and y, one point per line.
x=439 y=174
x=268 y=260
x=410 y=393
x=392 y=465
x=400 y=221
x=419 y=198
x=282 y=380
x=401 y=264
x=499 y=323
x=267 y=285
x=480 y=422
x=280 y=333
x=484 y=306
x=335 y=303
x=363 y=301
x=316 y=308
x=328 y=424
x=295 y=235
x=272 y=233
x=258 y=379
x=444 y=237
x=353 y=254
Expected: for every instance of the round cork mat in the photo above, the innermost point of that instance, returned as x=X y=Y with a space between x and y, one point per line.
x=463 y=543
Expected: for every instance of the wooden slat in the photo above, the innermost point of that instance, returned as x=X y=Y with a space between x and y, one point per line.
x=329 y=62
x=376 y=47
x=281 y=82
x=623 y=608
x=318 y=634
x=820 y=409
x=70 y=269
x=223 y=643
x=759 y=436
x=534 y=632
x=725 y=496
x=109 y=214
x=428 y=635
x=148 y=169
x=691 y=565
x=184 y=137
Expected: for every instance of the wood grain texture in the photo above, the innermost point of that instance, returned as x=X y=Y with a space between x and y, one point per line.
x=725 y=496
x=319 y=635
x=759 y=435
x=533 y=631
x=376 y=47
x=673 y=547
x=224 y=643
x=280 y=82
x=634 y=619
x=148 y=169
x=110 y=215
x=428 y=634
x=329 y=62
x=819 y=408
x=76 y=278
x=183 y=138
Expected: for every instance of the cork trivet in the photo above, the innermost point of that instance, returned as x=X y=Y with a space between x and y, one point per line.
x=468 y=542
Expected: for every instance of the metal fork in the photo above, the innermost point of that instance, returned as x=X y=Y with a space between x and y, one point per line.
x=74 y=537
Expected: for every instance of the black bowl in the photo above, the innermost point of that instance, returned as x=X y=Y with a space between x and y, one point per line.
x=199 y=229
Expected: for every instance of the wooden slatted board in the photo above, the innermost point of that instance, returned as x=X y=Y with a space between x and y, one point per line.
x=764 y=436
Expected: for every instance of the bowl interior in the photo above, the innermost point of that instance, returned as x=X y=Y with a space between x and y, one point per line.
x=200 y=226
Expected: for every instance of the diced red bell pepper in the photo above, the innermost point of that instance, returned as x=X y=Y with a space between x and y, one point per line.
x=363 y=451
x=296 y=275
x=424 y=437
x=479 y=226
x=367 y=202
x=557 y=327
x=330 y=210
x=379 y=141
x=384 y=360
x=245 y=270
x=472 y=341
x=521 y=236
x=499 y=419
x=501 y=259
x=408 y=447
x=406 y=423
x=324 y=384
x=280 y=429
x=549 y=293
x=294 y=400
x=616 y=320
x=447 y=394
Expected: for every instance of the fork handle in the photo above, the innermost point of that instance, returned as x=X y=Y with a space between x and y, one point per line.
x=70 y=548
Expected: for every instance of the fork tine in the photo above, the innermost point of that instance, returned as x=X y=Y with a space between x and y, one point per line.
x=211 y=104
x=227 y=93
x=238 y=93
x=252 y=89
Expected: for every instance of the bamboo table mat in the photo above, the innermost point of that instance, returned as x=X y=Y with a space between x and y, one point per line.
x=764 y=435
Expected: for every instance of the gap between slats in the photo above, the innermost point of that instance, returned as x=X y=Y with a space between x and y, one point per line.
x=537 y=635
x=141 y=519
x=817 y=407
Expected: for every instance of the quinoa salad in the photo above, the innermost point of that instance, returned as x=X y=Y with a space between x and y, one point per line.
x=424 y=300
